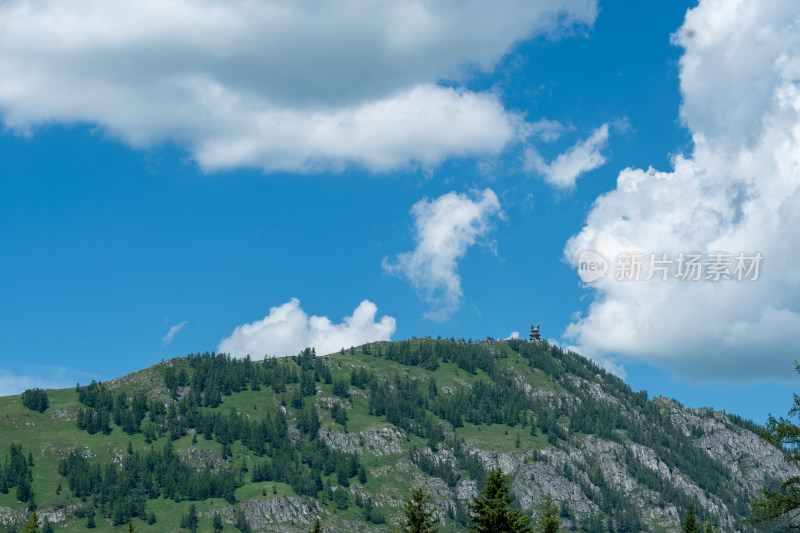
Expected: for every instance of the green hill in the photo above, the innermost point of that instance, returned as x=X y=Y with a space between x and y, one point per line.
x=272 y=445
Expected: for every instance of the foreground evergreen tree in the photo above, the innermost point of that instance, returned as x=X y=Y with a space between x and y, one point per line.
x=418 y=514
x=709 y=528
x=492 y=512
x=317 y=526
x=548 y=521
x=782 y=506
x=33 y=523
x=690 y=524
x=217 y=523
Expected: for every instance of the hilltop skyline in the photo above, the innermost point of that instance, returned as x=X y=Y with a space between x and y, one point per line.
x=260 y=178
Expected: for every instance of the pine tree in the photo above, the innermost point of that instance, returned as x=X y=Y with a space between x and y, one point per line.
x=23 y=490
x=33 y=523
x=782 y=504
x=492 y=512
x=131 y=529
x=418 y=514
x=690 y=524
x=548 y=521
x=190 y=519
x=709 y=528
x=317 y=526
x=90 y=524
x=217 y=524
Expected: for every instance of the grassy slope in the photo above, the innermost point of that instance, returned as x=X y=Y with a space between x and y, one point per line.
x=52 y=434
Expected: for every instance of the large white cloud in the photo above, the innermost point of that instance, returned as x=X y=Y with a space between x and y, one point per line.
x=274 y=84
x=445 y=229
x=287 y=329
x=739 y=190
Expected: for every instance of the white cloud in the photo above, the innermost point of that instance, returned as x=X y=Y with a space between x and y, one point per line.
x=173 y=331
x=738 y=191
x=278 y=85
x=545 y=129
x=565 y=169
x=445 y=229
x=514 y=335
x=287 y=330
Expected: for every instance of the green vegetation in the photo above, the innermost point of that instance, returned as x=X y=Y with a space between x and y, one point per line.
x=418 y=514
x=690 y=524
x=186 y=443
x=781 y=506
x=492 y=511
x=35 y=399
x=548 y=521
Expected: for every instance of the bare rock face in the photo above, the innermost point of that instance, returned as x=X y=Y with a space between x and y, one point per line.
x=467 y=490
x=287 y=509
x=341 y=441
x=56 y=515
x=382 y=440
x=749 y=461
x=536 y=480
x=375 y=440
x=508 y=462
x=9 y=517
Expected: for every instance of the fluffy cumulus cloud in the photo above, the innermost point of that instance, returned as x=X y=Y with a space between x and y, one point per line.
x=565 y=169
x=738 y=191
x=287 y=329
x=445 y=229
x=278 y=85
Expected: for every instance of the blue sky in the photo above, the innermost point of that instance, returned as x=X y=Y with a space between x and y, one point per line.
x=259 y=177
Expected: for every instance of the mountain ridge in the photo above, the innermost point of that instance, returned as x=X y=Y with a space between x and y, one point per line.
x=425 y=412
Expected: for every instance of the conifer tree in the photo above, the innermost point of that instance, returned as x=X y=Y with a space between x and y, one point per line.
x=418 y=514
x=33 y=523
x=709 y=528
x=782 y=504
x=548 y=521
x=317 y=526
x=491 y=510
x=690 y=524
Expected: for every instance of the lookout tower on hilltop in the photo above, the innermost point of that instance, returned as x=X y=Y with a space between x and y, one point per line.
x=535 y=335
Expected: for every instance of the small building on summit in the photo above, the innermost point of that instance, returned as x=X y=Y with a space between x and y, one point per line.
x=535 y=335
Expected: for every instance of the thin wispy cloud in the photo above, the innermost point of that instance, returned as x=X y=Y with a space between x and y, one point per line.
x=41 y=377
x=173 y=331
